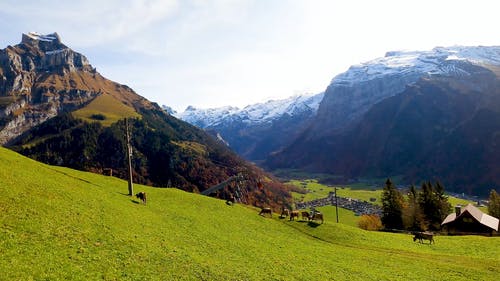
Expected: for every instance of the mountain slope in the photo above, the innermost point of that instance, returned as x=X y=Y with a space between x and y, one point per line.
x=62 y=224
x=41 y=78
x=58 y=109
x=259 y=129
x=409 y=114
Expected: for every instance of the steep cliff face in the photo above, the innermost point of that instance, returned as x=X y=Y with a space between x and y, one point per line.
x=344 y=104
x=39 y=79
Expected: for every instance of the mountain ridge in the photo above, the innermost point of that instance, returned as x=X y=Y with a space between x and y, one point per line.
x=258 y=129
x=253 y=113
x=56 y=108
x=371 y=123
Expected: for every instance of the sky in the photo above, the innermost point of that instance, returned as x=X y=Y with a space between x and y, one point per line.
x=212 y=53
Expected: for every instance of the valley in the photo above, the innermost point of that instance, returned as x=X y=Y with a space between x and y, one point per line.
x=325 y=140
x=416 y=115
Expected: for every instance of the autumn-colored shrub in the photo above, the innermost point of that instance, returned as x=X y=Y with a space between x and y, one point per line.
x=370 y=222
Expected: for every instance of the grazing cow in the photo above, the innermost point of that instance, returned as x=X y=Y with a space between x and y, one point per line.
x=316 y=215
x=284 y=213
x=305 y=215
x=265 y=211
x=141 y=195
x=421 y=236
x=294 y=214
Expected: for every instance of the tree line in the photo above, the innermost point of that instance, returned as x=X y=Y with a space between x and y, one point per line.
x=423 y=209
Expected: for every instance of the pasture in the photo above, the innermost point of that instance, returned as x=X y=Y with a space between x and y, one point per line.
x=61 y=224
x=108 y=108
x=315 y=190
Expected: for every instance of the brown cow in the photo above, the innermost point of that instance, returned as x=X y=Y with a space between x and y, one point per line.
x=266 y=211
x=316 y=215
x=294 y=214
x=305 y=215
x=141 y=195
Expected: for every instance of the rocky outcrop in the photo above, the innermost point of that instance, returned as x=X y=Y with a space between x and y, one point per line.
x=26 y=98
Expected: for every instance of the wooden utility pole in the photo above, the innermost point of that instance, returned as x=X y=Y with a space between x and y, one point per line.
x=336 y=205
x=129 y=157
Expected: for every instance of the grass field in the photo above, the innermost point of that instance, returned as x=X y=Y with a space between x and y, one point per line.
x=317 y=190
x=110 y=108
x=61 y=224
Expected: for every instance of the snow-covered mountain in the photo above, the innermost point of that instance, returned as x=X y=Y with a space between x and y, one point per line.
x=258 y=113
x=416 y=114
x=207 y=117
x=438 y=61
x=352 y=93
x=258 y=129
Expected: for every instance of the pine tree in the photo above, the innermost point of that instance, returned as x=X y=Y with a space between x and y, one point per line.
x=434 y=204
x=413 y=217
x=427 y=202
x=392 y=207
x=494 y=204
x=443 y=205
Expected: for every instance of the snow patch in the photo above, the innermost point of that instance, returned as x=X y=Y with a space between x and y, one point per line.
x=55 y=52
x=418 y=62
x=40 y=37
x=252 y=114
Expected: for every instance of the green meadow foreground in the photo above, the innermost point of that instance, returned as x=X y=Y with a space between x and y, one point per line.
x=61 y=224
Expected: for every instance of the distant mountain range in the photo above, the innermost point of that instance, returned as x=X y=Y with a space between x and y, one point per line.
x=259 y=129
x=420 y=115
x=56 y=108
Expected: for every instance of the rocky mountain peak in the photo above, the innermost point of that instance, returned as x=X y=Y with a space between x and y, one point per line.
x=47 y=53
x=39 y=78
x=46 y=43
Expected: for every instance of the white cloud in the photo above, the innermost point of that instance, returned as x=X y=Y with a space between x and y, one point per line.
x=215 y=52
x=89 y=23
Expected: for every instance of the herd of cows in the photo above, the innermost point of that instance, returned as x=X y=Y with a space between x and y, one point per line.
x=316 y=215
x=309 y=216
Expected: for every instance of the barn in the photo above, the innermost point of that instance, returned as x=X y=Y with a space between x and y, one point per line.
x=469 y=220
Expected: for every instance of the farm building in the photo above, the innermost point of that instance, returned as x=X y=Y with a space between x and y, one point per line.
x=470 y=220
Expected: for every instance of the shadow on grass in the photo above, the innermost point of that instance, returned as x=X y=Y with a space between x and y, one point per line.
x=134 y=201
x=313 y=224
x=310 y=223
x=77 y=178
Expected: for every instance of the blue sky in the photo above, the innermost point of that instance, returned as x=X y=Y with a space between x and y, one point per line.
x=236 y=52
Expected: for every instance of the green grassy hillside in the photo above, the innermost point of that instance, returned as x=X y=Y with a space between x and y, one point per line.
x=109 y=108
x=61 y=224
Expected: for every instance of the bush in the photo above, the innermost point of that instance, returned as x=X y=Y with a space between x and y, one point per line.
x=98 y=116
x=370 y=222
